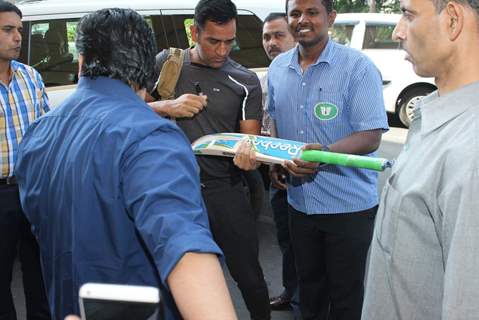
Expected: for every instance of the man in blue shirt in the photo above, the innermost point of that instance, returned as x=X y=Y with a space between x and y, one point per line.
x=329 y=96
x=112 y=189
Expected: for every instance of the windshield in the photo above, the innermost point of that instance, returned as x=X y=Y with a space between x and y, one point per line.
x=379 y=36
x=342 y=33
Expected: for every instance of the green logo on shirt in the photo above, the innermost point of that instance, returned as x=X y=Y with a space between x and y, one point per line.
x=325 y=111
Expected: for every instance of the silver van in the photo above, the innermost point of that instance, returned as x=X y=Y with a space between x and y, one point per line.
x=50 y=26
x=372 y=34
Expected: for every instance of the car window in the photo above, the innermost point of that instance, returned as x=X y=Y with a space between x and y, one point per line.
x=53 y=52
x=51 y=49
x=379 y=36
x=342 y=33
x=175 y=31
x=247 y=49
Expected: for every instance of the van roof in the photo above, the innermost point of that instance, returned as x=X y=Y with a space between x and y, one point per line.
x=50 y=8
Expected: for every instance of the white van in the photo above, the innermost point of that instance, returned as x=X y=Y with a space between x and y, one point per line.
x=371 y=33
x=50 y=26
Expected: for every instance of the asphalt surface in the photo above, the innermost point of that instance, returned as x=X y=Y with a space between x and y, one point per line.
x=270 y=255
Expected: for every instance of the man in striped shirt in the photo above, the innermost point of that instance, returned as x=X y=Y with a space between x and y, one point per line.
x=22 y=100
x=329 y=96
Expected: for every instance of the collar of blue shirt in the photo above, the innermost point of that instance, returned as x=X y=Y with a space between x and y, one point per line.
x=107 y=86
x=325 y=57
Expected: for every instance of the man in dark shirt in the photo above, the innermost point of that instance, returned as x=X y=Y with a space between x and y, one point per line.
x=277 y=39
x=112 y=190
x=230 y=101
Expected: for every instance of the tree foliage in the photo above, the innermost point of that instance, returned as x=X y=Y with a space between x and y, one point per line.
x=388 y=6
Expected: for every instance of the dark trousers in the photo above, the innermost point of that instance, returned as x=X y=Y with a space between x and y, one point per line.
x=255 y=184
x=15 y=234
x=279 y=204
x=234 y=229
x=330 y=253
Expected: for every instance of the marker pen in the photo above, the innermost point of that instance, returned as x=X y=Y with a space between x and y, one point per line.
x=198 y=88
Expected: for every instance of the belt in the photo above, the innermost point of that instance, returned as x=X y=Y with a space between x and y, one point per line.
x=8 y=180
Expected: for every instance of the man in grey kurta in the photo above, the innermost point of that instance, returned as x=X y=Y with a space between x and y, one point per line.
x=425 y=249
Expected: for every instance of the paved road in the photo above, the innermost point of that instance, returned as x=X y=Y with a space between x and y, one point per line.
x=269 y=250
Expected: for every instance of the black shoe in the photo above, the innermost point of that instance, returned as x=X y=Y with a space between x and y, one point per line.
x=281 y=302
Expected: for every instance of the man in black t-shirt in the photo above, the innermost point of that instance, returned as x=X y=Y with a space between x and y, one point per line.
x=215 y=94
x=230 y=101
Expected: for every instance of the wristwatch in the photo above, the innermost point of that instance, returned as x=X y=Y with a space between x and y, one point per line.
x=325 y=148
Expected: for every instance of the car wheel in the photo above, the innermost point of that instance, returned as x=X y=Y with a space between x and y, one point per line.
x=409 y=102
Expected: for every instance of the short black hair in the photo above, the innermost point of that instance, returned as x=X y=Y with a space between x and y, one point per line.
x=6 y=6
x=217 y=11
x=275 y=16
x=117 y=43
x=328 y=4
x=441 y=4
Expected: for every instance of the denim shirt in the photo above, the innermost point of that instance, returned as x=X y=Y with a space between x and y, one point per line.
x=112 y=192
x=338 y=95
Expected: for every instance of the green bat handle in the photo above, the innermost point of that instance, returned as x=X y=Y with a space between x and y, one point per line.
x=344 y=159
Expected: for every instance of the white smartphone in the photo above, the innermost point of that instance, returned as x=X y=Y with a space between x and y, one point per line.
x=100 y=301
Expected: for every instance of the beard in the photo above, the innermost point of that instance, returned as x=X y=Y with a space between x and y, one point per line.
x=308 y=43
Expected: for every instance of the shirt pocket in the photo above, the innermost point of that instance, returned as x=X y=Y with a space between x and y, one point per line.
x=29 y=100
x=328 y=108
x=388 y=219
x=34 y=105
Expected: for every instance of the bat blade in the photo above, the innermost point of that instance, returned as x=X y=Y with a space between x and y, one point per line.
x=268 y=150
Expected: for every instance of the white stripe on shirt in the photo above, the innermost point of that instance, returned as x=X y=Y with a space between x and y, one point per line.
x=243 y=108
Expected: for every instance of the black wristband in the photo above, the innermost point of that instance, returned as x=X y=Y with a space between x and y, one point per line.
x=325 y=148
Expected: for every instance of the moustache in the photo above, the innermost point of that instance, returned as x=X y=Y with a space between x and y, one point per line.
x=273 y=49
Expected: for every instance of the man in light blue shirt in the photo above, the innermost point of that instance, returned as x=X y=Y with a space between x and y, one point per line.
x=329 y=96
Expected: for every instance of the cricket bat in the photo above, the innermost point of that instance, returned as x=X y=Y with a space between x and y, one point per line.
x=276 y=151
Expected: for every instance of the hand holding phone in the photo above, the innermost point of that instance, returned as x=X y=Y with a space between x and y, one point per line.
x=113 y=302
